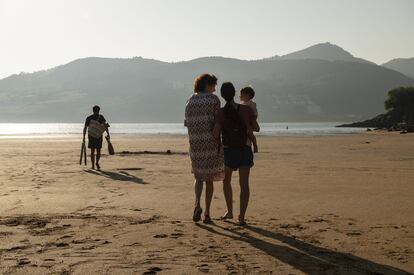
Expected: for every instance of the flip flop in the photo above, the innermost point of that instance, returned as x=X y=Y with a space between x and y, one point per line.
x=226 y=217
x=241 y=222
x=207 y=219
x=197 y=214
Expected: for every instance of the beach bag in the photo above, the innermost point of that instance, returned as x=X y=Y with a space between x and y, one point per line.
x=234 y=131
x=96 y=129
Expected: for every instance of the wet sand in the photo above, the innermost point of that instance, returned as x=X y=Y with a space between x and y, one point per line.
x=319 y=205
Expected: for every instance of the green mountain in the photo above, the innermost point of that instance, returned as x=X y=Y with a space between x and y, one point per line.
x=402 y=65
x=145 y=90
x=324 y=51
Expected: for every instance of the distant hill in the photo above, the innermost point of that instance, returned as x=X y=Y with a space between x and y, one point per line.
x=324 y=51
x=402 y=65
x=146 y=90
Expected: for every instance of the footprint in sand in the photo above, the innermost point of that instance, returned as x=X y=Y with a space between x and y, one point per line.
x=61 y=244
x=292 y=226
x=176 y=235
x=23 y=261
x=16 y=248
x=133 y=244
x=317 y=220
x=6 y=233
x=354 y=233
x=153 y=270
x=203 y=268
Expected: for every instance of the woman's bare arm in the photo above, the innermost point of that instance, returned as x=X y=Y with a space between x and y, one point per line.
x=217 y=130
x=255 y=126
x=217 y=125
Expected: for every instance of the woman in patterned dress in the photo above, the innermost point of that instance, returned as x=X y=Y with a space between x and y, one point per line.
x=206 y=154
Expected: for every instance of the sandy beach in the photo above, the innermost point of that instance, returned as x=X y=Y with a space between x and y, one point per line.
x=319 y=205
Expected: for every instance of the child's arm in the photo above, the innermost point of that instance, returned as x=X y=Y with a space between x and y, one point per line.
x=217 y=125
x=255 y=126
x=251 y=135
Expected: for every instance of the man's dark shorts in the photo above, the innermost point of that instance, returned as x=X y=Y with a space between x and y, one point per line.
x=235 y=158
x=95 y=143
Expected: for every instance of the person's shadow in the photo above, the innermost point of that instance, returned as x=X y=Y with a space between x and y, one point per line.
x=120 y=176
x=303 y=256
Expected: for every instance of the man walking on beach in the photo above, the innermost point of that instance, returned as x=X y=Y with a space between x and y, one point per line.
x=96 y=125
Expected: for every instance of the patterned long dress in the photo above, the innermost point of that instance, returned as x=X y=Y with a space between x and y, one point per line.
x=206 y=154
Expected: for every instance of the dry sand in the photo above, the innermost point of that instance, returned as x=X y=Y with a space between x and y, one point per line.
x=319 y=205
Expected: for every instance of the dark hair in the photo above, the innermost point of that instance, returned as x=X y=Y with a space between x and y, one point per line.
x=96 y=108
x=248 y=91
x=202 y=81
x=228 y=92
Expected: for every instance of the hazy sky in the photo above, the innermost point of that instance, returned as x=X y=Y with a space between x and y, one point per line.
x=39 y=34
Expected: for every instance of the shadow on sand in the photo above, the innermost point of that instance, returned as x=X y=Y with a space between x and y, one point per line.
x=303 y=256
x=121 y=176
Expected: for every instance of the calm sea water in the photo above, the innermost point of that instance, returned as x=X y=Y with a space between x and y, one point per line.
x=37 y=130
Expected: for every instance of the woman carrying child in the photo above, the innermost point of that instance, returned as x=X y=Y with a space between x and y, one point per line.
x=234 y=123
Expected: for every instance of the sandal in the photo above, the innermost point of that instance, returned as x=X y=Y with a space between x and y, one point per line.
x=226 y=216
x=207 y=219
x=197 y=214
x=241 y=222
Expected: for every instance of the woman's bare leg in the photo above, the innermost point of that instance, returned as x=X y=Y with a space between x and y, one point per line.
x=209 y=197
x=228 y=193
x=198 y=189
x=244 y=173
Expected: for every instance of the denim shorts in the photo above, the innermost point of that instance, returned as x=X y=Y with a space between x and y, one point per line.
x=234 y=158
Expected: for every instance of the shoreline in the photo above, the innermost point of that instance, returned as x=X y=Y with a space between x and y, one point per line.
x=162 y=135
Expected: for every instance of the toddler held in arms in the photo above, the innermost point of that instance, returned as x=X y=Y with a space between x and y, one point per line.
x=246 y=96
